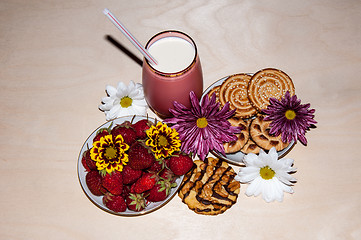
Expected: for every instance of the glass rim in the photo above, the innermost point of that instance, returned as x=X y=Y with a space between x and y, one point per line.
x=175 y=74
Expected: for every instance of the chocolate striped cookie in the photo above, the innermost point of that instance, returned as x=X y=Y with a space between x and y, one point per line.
x=210 y=188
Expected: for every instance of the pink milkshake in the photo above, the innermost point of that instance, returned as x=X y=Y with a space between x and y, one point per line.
x=177 y=73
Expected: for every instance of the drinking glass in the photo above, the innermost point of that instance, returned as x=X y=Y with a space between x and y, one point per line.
x=161 y=86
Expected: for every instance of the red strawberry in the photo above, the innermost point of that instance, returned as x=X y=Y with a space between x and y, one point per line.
x=166 y=161
x=83 y=161
x=101 y=133
x=145 y=182
x=160 y=191
x=140 y=157
x=127 y=132
x=87 y=162
x=136 y=202
x=140 y=127
x=94 y=182
x=167 y=174
x=126 y=191
x=130 y=175
x=157 y=165
x=132 y=188
x=180 y=164
x=114 y=203
x=113 y=182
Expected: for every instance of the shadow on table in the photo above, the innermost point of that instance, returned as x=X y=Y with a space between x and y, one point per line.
x=124 y=49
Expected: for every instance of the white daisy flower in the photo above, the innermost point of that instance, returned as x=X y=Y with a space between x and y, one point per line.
x=124 y=101
x=267 y=175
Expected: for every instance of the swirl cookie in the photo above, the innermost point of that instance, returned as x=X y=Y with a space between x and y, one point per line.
x=242 y=137
x=268 y=83
x=234 y=91
x=259 y=131
x=210 y=188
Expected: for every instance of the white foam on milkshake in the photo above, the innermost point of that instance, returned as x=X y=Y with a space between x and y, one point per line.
x=173 y=54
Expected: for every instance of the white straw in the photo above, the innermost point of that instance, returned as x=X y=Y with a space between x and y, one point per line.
x=131 y=38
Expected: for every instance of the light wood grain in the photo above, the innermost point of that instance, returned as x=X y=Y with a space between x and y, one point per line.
x=56 y=61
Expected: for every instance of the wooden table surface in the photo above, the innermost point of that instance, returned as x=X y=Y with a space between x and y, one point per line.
x=57 y=57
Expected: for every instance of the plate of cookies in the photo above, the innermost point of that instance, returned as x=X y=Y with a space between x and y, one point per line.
x=249 y=94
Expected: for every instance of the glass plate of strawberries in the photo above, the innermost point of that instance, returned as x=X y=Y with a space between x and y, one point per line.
x=132 y=165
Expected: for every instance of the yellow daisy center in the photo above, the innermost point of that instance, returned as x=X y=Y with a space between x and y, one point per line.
x=290 y=114
x=126 y=102
x=162 y=141
x=110 y=153
x=202 y=122
x=267 y=173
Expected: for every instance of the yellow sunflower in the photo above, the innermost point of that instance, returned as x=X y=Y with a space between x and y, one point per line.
x=110 y=153
x=162 y=140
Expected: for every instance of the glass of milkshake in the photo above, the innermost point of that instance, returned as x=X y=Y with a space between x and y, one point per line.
x=177 y=73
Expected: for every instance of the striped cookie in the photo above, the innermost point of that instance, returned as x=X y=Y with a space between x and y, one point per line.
x=210 y=188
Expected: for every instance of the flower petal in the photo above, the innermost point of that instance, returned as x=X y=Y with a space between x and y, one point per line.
x=245 y=177
x=269 y=194
x=254 y=188
x=249 y=159
x=111 y=91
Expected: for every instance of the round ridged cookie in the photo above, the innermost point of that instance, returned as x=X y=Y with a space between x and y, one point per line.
x=268 y=83
x=242 y=137
x=234 y=91
x=259 y=131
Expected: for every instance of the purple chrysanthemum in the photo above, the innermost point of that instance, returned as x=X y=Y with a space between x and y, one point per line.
x=203 y=127
x=290 y=118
